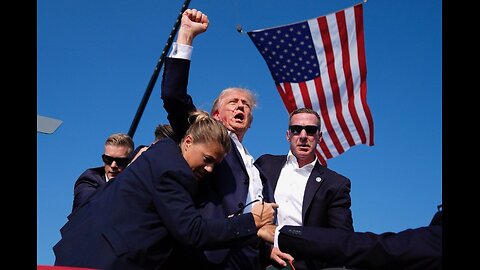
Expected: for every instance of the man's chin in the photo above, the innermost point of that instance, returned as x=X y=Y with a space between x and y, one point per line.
x=238 y=127
x=303 y=153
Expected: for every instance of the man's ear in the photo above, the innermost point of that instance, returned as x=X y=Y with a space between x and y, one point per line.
x=287 y=135
x=216 y=115
x=320 y=138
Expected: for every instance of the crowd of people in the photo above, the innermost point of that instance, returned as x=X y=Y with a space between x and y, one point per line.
x=195 y=198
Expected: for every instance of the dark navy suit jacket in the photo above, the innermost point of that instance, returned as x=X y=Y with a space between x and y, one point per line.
x=326 y=201
x=134 y=221
x=226 y=189
x=411 y=249
x=87 y=183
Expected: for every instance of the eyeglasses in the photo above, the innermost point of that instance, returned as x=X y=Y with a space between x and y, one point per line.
x=296 y=129
x=121 y=162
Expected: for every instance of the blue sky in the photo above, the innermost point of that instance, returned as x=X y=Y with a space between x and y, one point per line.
x=95 y=59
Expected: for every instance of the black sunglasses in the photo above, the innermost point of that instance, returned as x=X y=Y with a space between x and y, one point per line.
x=121 y=162
x=296 y=129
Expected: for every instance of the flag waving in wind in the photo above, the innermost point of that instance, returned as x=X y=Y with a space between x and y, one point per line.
x=320 y=64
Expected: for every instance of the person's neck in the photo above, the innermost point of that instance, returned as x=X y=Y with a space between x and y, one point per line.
x=302 y=162
x=239 y=134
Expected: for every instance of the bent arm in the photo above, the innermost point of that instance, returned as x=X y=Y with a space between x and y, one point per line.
x=84 y=188
x=419 y=248
x=187 y=226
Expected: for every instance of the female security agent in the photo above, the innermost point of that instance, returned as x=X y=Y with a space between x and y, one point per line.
x=134 y=221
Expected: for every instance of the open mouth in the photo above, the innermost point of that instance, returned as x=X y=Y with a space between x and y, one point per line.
x=239 y=116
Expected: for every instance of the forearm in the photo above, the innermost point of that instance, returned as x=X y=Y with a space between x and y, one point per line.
x=410 y=249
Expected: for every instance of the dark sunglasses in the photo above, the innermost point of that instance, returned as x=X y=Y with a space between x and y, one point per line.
x=121 y=162
x=296 y=129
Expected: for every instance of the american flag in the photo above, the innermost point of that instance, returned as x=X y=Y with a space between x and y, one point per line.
x=320 y=64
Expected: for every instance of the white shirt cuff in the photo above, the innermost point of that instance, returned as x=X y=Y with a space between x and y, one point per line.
x=275 y=239
x=181 y=51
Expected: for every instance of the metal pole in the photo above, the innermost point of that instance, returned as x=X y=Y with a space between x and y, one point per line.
x=156 y=72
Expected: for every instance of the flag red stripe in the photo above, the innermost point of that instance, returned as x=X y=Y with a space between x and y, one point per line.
x=362 y=63
x=322 y=103
x=325 y=149
x=287 y=97
x=321 y=159
x=342 y=29
x=327 y=44
x=305 y=96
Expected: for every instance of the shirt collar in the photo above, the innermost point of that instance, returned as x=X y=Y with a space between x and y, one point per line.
x=238 y=144
x=291 y=159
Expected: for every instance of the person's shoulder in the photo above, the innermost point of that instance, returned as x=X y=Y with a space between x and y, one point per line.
x=437 y=219
x=91 y=175
x=333 y=175
x=165 y=144
x=135 y=151
x=93 y=171
x=165 y=151
x=269 y=157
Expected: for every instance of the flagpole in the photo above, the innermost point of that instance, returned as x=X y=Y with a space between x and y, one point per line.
x=156 y=72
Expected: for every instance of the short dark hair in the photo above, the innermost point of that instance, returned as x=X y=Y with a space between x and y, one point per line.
x=305 y=110
x=163 y=131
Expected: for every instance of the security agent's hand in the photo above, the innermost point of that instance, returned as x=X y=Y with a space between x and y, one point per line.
x=279 y=257
x=143 y=149
x=263 y=213
x=267 y=232
x=194 y=22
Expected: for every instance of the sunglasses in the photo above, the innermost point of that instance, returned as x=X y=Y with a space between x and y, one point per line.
x=296 y=129
x=121 y=162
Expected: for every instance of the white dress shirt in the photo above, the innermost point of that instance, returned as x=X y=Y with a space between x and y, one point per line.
x=289 y=192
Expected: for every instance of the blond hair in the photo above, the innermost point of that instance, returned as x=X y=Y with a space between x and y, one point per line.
x=205 y=129
x=121 y=139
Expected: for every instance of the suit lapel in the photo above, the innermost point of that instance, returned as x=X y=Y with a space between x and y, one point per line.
x=315 y=180
x=103 y=178
x=276 y=169
x=235 y=162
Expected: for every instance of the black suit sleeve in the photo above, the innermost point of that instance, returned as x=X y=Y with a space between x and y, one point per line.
x=176 y=101
x=419 y=248
x=339 y=213
x=175 y=205
x=86 y=184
